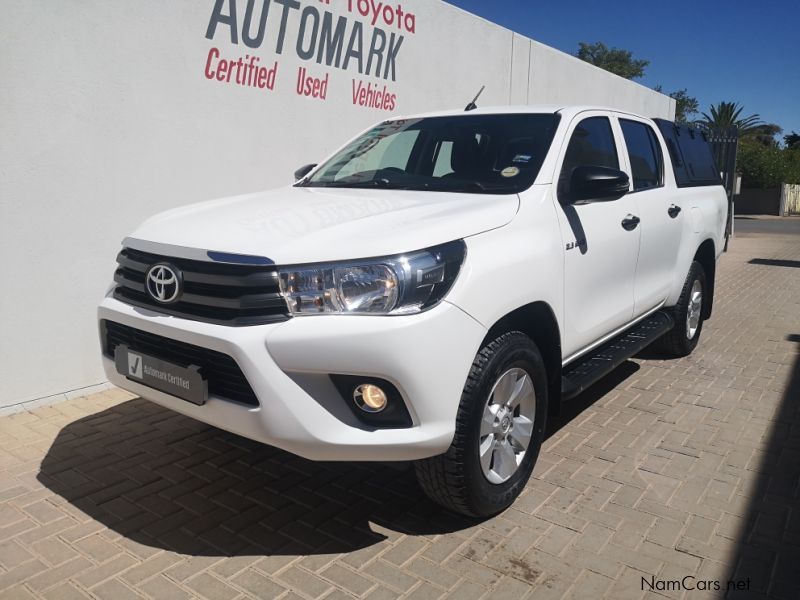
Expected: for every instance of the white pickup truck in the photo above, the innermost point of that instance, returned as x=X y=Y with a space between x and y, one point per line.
x=430 y=293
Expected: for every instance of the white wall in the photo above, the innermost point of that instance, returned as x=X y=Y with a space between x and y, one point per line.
x=106 y=117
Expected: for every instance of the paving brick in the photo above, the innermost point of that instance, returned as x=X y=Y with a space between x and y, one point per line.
x=479 y=573
x=96 y=548
x=347 y=579
x=627 y=586
x=165 y=589
x=257 y=584
x=106 y=570
x=43 y=511
x=466 y=590
x=556 y=539
x=589 y=586
x=150 y=567
x=303 y=581
x=17 y=593
x=382 y=593
x=433 y=573
x=9 y=514
x=390 y=576
x=53 y=551
x=191 y=566
x=425 y=591
x=12 y=554
x=65 y=591
x=212 y=588
x=33 y=535
x=115 y=590
x=58 y=574
x=405 y=550
x=21 y=573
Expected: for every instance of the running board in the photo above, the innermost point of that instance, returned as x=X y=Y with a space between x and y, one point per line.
x=579 y=375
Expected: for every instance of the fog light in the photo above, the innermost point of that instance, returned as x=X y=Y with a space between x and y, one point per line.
x=370 y=398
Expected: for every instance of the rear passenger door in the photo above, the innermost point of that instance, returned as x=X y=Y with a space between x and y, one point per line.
x=659 y=210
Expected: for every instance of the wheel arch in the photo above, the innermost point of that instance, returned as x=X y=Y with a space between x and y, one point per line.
x=706 y=256
x=538 y=321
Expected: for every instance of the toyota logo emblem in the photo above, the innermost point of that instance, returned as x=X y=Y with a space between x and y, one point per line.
x=163 y=283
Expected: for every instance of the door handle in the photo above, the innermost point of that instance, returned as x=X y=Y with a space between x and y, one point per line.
x=674 y=210
x=630 y=222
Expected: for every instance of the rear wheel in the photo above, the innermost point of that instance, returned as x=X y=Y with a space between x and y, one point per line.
x=499 y=431
x=688 y=315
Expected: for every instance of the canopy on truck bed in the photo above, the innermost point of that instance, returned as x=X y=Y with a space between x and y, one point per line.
x=690 y=152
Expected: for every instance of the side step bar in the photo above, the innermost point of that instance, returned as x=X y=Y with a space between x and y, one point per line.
x=580 y=374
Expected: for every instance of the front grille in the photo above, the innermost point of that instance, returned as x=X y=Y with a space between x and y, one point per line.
x=222 y=293
x=225 y=378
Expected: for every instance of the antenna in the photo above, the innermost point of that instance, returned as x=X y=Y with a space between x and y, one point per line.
x=472 y=105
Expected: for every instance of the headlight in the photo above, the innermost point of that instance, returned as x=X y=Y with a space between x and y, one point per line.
x=396 y=285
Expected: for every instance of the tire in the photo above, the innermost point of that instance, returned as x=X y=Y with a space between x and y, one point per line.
x=683 y=338
x=458 y=479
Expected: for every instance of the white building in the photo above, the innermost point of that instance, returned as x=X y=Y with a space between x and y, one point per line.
x=111 y=111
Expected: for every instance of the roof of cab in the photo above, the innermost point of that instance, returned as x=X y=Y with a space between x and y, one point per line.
x=565 y=110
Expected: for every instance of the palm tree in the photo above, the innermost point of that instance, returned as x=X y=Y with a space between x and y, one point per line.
x=727 y=114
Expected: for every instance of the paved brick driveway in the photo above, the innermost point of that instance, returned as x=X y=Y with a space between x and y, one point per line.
x=669 y=469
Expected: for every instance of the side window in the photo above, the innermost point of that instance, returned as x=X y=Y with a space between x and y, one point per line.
x=591 y=144
x=644 y=153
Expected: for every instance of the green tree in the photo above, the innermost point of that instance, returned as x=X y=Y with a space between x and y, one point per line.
x=760 y=166
x=726 y=114
x=765 y=134
x=792 y=173
x=792 y=141
x=686 y=106
x=615 y=60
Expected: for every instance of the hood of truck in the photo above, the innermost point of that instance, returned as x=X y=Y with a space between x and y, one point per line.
x=300 y=225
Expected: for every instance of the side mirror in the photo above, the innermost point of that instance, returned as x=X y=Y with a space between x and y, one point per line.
x=596 y=184
x=303 y=171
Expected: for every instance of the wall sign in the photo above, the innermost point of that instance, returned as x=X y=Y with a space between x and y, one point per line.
x=364 y=42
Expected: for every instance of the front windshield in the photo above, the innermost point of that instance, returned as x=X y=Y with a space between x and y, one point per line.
x=495 y=154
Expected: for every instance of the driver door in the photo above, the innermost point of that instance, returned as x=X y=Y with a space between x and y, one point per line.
x=600 y=253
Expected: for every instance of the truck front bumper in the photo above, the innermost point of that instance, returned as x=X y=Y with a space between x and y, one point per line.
x=288 y=365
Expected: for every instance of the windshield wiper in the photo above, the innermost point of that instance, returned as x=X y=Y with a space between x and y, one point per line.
x=379 y=183
x=476 y=186
x=469 y=186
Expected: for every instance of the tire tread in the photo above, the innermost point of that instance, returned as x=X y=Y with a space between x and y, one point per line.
x=675 y=343
x=442 y=476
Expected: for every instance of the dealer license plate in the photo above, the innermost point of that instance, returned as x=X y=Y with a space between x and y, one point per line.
x=184 y=382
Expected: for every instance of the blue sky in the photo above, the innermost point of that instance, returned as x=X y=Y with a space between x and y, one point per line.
x=748 y=52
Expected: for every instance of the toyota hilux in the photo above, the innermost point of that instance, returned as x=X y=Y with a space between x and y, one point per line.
x=431 y=292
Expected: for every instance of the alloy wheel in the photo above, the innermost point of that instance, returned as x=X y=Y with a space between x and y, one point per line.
x=507 y=425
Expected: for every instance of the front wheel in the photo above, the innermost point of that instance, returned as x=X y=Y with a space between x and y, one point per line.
x=499 y=431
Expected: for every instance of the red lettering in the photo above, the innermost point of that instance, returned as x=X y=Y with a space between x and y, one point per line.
x=222 y=69
x=375 y=10
x=243 y=71
x=372 y=97
x=261 y=78
x=313 y=87
x=410 y=23
x=212 y=54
